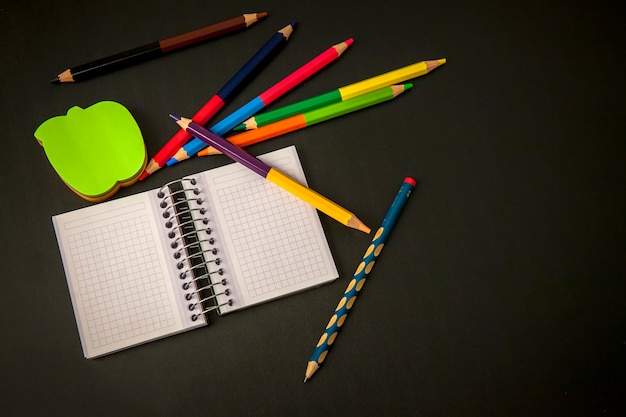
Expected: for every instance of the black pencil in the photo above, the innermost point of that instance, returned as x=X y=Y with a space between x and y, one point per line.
x=157 y=49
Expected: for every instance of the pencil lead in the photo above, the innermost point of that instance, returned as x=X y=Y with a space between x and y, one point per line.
x=56 y=80
x=175 y=117
x=294 y=23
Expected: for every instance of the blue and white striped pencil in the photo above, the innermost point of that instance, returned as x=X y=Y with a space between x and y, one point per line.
x=360 y=276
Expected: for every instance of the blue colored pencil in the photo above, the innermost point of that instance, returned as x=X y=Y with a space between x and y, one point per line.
x=360 y=276
x=254 y=65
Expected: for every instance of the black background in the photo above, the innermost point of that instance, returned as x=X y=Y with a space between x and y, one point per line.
x=501 y=290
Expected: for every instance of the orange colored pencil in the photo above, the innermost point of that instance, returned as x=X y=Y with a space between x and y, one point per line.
x=312 y=117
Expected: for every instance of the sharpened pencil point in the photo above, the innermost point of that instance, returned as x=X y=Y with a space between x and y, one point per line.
x=175 y=117
x=56 y=80
x=349 y=41
x=294 y=23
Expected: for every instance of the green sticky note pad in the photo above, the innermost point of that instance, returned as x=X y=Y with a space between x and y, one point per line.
x=95 y=150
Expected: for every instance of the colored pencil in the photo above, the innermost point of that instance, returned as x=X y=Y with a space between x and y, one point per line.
x=273 y=175
x=360 y=276
x=268 y=96
x=275 y=44
x=157 y=48
x=343 y=93
x=312 y=117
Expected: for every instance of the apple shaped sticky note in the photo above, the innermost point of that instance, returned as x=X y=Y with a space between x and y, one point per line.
x=95 y=150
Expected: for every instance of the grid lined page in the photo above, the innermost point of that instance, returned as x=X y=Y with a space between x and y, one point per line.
x=275 y=241
x=119 y=282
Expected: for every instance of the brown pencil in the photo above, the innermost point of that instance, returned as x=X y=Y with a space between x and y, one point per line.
x=157 y=49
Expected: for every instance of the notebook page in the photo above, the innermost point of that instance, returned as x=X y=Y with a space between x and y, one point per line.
x=119 y=278
x=275 y=243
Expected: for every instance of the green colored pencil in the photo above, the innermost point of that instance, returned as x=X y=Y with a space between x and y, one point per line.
x=312 y=117
x=342 y=94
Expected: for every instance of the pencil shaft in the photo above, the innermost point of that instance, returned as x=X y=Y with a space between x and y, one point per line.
x=227 y=148
x=225 y=125
x=300 y=107
x=156 y=49
x=309 y=196
x=388 y=78
x=261 y=58
x=208 y=32
x=354 y=104
x=358 y=281
x=304 y=193
x=297 y=77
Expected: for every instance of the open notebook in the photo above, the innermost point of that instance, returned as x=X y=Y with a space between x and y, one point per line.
x=156 y=263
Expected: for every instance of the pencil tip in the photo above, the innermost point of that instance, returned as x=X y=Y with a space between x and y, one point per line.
x=294 y=23
x=431 y=65
x=408 y=86
x=261 y=15
x=349 y=41
x=56 y=80
x=175 y=117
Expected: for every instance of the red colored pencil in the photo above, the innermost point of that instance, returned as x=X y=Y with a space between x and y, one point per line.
x=225 y=95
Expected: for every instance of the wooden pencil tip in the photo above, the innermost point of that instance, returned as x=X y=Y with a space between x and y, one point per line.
x=363 y=228
x=341 y=47
x=355 y=223
x=261 y=15
x=56 y=80
x=396 y=90
x=311 y=368
x=287 y=30
x=431 y=65
x=175 y=117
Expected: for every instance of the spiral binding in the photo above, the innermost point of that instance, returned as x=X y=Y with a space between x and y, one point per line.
x=193 y=253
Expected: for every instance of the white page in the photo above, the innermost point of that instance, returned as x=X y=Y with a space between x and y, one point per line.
x=274 y=241
x=120 y=279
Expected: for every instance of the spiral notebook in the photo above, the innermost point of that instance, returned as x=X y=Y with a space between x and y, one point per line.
x=154 y=264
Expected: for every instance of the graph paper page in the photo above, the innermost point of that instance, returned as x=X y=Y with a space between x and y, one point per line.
x=274 y=242
x=120 y=282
